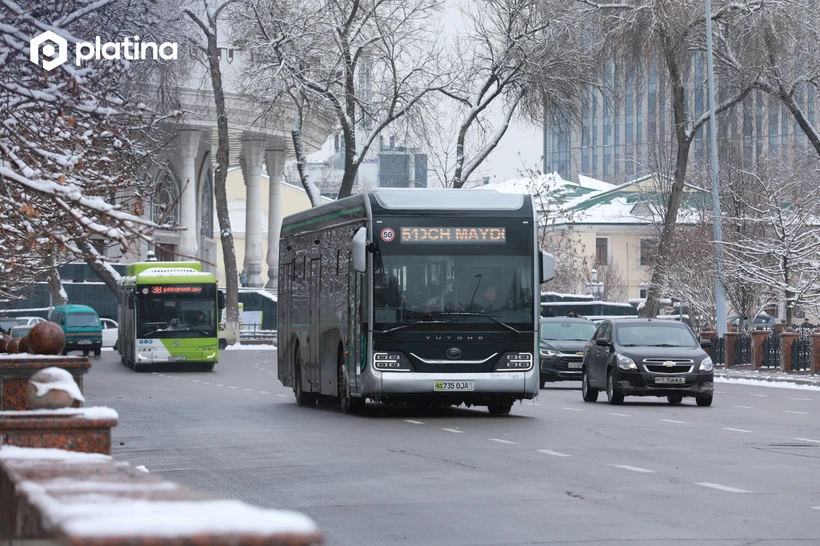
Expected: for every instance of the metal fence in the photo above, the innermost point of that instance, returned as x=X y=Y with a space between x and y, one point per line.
x=743 y=349
x=718 y=351
x=771 y=351
x=801 y=350
x=255 y=332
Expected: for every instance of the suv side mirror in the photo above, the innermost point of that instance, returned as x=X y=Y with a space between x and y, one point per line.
x=547 y=266
x=602 y=342
x=359 y=250
x=220 y=299
x=705 y=343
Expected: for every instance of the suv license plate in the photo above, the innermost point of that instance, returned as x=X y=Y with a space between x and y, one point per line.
x=668 y=380
x=453 y=385
x=84 y=342
x=574 y=365
x=177 y=357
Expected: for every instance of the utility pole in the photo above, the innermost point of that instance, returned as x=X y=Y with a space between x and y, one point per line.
x=717 y=225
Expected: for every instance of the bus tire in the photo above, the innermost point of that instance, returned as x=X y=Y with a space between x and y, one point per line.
x=223 y=344
x=347 y=403
x=206 y=367
x=302 y=398
x=499 y=408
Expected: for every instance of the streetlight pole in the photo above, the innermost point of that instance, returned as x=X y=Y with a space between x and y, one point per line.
x=717 y=225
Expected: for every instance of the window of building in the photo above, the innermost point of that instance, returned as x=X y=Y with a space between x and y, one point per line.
x=649 y=249
x=602 y=250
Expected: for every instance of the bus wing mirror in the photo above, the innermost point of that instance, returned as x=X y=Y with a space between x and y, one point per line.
x=220 y=298
x=130 y=301
x=547 y=266
x=359 y=250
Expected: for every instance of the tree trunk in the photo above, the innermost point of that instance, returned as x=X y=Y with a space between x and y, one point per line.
x=350 y=154
x=55 y=286
x=220 y=177
x=108 y=275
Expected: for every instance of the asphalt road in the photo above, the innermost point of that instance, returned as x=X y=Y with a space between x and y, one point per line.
x=556 y=471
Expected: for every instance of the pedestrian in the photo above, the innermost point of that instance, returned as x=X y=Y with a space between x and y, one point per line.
x=572 y=314
x=549 y=312
x=243 y=277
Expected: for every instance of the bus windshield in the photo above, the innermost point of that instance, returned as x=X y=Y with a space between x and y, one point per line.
x=460 y=288
x=176 y=311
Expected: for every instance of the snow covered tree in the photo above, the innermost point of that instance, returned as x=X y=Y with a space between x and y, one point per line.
x=73 y=146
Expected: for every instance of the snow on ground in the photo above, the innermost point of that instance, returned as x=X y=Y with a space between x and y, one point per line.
x=240 y=347
x=778 y=384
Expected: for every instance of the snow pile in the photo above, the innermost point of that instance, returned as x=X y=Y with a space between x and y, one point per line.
x=91 y=413
x=52 y=378
x=48 y=454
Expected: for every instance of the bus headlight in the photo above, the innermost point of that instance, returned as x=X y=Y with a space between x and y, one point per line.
x=390 y=362
x=519 y=362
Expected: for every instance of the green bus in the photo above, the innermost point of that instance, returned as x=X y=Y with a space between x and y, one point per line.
x=168 y=312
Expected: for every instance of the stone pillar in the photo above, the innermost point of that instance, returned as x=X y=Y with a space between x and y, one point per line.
x=730 y=338
x=275 y=161
x=815 y=353
x=787 y=340
x=188 y=144
x=253 y=152
x=758 y=337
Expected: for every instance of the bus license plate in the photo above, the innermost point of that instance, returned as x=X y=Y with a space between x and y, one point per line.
x=668 y=380
x=453 y=385
x=177 y=357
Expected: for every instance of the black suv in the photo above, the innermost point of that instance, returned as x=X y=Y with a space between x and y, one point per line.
x=562 y=346
x=646 y=357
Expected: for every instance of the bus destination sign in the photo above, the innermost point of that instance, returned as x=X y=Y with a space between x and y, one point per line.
x=431 y=235
x=167 y=289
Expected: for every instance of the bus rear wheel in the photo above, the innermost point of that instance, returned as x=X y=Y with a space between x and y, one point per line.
x=302 y=398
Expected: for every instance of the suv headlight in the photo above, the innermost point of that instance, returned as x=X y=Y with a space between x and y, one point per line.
x=626 y=363
x=548 y=352
x=706 y=365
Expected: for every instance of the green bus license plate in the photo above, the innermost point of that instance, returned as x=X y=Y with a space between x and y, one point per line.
x=453 y=385
x=177 y=357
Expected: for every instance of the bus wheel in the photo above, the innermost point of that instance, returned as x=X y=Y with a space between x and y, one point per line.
x=223 y=344
x=346 y=402
x=302 y=398
x=500 y=408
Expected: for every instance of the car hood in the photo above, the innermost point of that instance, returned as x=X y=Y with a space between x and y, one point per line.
x=563 y=346
x=636 y=353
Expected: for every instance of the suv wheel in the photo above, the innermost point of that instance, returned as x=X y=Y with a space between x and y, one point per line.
x=613 y=393
x=704 y=400
x=589 y=393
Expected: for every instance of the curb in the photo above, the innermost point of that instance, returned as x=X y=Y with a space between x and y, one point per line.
x=796 y=380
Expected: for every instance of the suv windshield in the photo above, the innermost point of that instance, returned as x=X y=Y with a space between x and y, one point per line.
x=567 y=331
x=655 y=335
x=81 y=320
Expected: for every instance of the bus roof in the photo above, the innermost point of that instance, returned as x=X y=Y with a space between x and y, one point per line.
x=136 y=268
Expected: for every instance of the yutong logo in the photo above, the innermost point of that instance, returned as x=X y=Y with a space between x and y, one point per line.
x=55 y=50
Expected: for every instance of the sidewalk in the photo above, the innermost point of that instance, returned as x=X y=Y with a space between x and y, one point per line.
x=767 y=375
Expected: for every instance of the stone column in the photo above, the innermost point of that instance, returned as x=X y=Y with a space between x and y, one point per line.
x=253 y=151
x=815 y=353
x=275 y=161
x=730 y=338
x=758 y=336
x=787 y=340
x=188 y=144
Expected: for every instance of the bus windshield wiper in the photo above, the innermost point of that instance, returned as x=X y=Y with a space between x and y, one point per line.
x=485 y=315
x=406 y=324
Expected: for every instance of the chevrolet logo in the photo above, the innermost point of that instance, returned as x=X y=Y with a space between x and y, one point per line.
x=580 y=353
x=669 y=364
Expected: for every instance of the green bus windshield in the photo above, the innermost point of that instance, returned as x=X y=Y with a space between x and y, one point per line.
x=176 y=311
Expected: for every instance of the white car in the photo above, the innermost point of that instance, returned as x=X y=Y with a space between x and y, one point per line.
x=109 y=332
x=29 y=321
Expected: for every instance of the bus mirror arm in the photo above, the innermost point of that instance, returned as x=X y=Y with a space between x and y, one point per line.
x=221 y=298
x=130 y=301
x=359 y=250
x=546 y=266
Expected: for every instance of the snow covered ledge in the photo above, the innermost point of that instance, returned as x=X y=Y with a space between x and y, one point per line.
x=17 y=369
x=86 y=430
x=61 y=497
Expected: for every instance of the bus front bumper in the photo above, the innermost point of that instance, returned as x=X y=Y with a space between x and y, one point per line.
x=156 y=356
x=520 y=385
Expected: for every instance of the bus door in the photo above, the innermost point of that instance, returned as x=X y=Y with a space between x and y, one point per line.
x=284 y=330
x=354 y=325
x=313 y=331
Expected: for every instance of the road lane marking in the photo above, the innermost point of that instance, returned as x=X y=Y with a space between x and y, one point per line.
x=282 y=395
x=736 y=429
x=620 y=414
x=796 y=412
x=264 y=392
x=633 y=468
x=453 y=430
x=815 y=507
x=759 y=395
x=722 y=487
x=808 y=440
x=719 y=392
x=553 y=453
x=205 y=383
x=500 y=441
x=673 y=421
x=572 y=409
x=195 y=380
x=803 y=399
x=248 y=390
x=233 y=387
x=743 y=407
x=412 y=422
